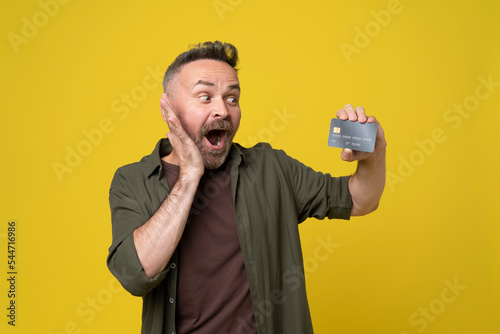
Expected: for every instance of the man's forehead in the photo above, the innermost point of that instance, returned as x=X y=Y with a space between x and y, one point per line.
x=207 y=70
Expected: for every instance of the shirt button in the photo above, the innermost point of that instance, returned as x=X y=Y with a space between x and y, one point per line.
x=171 y=300
x=172 y=265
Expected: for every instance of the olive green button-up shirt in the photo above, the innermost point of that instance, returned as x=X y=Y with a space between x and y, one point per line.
x=272 y=194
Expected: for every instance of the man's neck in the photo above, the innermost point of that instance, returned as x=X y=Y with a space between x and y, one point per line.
x=171 y=159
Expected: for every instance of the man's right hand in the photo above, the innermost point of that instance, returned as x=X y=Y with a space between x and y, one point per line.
x=156 y=240
x=185 y=152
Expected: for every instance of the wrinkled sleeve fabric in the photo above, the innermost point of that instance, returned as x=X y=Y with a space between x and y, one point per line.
x=317 y=195
x=126 y=216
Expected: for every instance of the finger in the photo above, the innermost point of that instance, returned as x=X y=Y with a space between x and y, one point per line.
x=342 y=114
x=177 y=145
x=380 y=141
x=175 y=141
x=176 y=127
x=360 y=111
x=179 y=131
x=172 y=138
x=351 y=113
x=372 y=119
x=353 y=155
x=346 y=154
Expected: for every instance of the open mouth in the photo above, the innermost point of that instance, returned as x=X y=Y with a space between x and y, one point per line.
x=216 y=139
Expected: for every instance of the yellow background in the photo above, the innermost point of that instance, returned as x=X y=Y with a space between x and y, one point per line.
x=438 y=222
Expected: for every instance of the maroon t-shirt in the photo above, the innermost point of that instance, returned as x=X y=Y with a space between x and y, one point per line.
x=213 y=295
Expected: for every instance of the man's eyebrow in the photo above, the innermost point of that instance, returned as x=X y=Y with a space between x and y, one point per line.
x=211 y=84
x=235 y=86
x=203 y=82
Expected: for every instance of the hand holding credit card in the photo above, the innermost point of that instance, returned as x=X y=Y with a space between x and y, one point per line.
x=353 y=135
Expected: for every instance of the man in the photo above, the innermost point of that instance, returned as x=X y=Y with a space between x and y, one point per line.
x=205 y=230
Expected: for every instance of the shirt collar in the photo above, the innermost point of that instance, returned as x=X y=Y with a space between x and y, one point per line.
x=163 y=148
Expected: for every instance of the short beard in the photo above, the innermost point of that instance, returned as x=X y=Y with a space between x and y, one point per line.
x=212 y=159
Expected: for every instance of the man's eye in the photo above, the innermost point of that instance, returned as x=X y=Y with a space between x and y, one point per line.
x=205 y=98
x=231 y=99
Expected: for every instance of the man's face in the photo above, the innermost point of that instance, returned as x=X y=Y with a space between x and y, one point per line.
x=206 y=101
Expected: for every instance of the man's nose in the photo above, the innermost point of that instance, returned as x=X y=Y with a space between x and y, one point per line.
x=219 y=109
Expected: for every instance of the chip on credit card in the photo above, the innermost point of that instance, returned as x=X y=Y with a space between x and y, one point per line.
x=354 y=135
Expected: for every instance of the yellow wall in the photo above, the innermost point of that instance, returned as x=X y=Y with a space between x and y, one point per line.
x=426 y=262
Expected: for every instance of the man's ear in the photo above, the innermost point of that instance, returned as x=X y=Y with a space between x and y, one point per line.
x=168 y=103
x=163 y=113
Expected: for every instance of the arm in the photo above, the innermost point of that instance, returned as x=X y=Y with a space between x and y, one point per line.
x=156 y=240
x=367 y=184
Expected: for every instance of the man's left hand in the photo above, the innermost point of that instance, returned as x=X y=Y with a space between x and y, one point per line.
x=358 y=114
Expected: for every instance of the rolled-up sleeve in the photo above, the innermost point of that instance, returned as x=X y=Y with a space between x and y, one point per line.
x=122 y=260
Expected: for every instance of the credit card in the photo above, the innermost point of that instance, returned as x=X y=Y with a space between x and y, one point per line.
x=354 y=135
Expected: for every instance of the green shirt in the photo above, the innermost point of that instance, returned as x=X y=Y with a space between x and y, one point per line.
x=272 y=194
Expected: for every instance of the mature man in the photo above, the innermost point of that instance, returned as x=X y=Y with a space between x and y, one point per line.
x=205 y=230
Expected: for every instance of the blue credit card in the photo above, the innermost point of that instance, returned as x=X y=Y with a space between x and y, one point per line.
x=354 y=135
